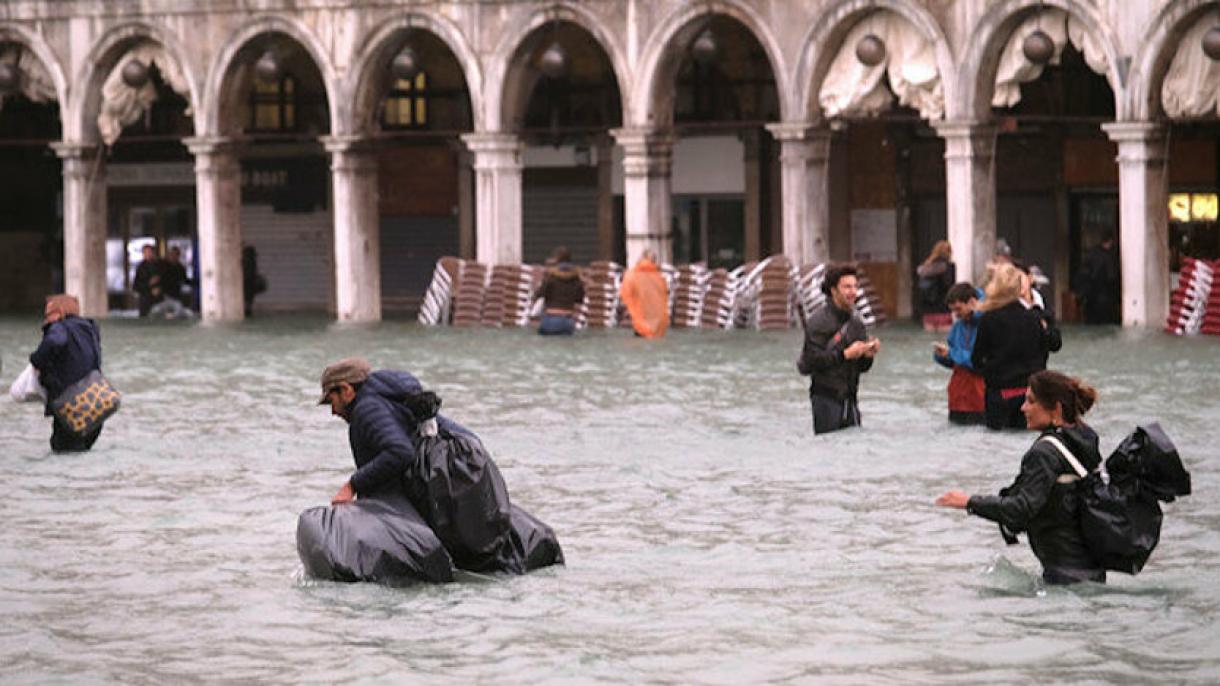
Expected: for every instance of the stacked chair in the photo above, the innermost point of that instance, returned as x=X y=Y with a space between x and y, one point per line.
x=468 y=297
x=719 y=298
x=509 y=294
x=435 y=306
x=1188 y=304
x=687 y=293
x=602 y=280
x=1211 y=315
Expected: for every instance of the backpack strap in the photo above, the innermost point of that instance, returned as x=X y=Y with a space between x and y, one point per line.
x=1067 y=454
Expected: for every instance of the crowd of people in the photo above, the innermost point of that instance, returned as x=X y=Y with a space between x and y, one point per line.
x=1001 y=334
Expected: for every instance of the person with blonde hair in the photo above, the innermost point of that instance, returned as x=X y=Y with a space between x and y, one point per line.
x=1042 y=501
x=936 y=275
x=1011 y=344
x=71 y=348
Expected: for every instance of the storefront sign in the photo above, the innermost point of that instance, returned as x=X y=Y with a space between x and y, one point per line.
x=1194 y=207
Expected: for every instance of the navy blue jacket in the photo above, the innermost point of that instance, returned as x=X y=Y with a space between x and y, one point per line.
x=70 y=349
x=381 y=431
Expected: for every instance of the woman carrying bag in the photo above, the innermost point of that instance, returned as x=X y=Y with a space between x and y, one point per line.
x=69 y=362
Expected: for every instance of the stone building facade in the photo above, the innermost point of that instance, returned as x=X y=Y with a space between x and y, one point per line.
x=809 y=113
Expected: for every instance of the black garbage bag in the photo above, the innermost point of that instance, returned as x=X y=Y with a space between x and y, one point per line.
x=531 y=545
x=1120 y=516
x=459 y=491
x=380 y=539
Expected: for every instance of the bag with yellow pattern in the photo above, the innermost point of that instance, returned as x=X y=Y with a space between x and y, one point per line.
x=84 y=405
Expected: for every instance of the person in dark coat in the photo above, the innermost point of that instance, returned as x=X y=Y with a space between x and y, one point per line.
x=147 y=284
x=837 y=350
x=252 y=282
x=1099 y=283
x=1011 y=344
x=173 y=275
x=1041 y=501
x=71 y=347
x=936 y=275
x=379 y=424
x=562 y=293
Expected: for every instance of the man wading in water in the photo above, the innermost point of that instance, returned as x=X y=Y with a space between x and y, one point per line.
x=837 y=351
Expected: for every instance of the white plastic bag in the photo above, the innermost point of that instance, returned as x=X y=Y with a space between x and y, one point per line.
x=26 y=388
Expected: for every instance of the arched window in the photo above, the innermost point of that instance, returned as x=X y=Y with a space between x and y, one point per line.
x=273 y=106
x=406 y=105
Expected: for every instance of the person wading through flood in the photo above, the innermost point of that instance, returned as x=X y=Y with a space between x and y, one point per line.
x=836 y=352
x=562 y=293
x=646 y=296
x=966 y=387
x=71 y=348
x=1042 y=501
x=1011 y=344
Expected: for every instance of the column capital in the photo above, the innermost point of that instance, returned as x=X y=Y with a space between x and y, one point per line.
x=1139 y=142
x=964 y=128
x=784 y=131
x=494 y=150
x=347 y=144
x=642 y=141
x=75 y=150
x=212 y=145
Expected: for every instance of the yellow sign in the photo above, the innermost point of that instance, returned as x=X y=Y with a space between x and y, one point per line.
x=1194 y=207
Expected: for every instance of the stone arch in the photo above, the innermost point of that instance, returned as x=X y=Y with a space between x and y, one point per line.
x=822 y=42
x=661 y=59
x=358 y=103
x=208 y=122
x=976 y=80
x=501 y=96
x=85 y=95
x=50 y=61
x=1155 y=53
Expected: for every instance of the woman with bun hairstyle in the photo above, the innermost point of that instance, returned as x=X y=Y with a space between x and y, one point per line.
x=1042 y=501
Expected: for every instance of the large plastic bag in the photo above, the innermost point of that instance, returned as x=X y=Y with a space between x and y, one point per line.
x=459 y=491
x=380 y=539
x=27 y=388
x=531 y=545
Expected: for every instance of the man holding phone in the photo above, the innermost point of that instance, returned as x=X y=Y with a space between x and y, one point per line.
x=837 y=350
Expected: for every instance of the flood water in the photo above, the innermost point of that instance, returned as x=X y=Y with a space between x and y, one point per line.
x=710 y=537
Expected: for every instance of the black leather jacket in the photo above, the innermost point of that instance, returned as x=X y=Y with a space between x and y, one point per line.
x=828 y=332
x=1044 y=507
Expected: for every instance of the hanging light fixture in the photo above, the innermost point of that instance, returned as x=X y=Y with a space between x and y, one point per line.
x=10 y=78
x=705 y=49
x=406 y=64
x=870 y=50
x=1038 y=46
x=1211 y=43
x=554 y=61
x=268 y=68
x=135 y=73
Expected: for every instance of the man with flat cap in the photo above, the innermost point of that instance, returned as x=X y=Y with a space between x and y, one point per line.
x=380 y=423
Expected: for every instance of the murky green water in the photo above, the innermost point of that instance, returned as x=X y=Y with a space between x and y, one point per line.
x=710 y=537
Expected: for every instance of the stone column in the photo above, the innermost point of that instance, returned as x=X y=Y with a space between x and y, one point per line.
x=1143 y=197
x=804 y=157
x=218 y=201
x=647 y=167
x=466 y=210
x=84 y=173
x=969 y=194
x=353 y=167
x=497 y=169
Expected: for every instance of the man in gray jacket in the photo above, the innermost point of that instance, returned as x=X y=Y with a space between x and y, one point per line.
x=836 y=352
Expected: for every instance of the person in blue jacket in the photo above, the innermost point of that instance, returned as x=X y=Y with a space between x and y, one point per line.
x=380 y=424
x=966 y=386
x=71 y=347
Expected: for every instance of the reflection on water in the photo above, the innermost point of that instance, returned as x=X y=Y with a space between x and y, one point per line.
x=710 y=536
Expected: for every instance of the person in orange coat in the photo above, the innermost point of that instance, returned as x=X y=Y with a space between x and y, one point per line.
x=646 y=296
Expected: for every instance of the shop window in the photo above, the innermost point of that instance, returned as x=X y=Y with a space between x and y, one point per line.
x=406 y=105
x=274 y=105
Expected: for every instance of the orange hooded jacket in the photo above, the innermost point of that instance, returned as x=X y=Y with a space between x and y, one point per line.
x=646 y=296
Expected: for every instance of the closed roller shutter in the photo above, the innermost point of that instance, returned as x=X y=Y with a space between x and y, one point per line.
x=294 y=254
x=559 y=215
